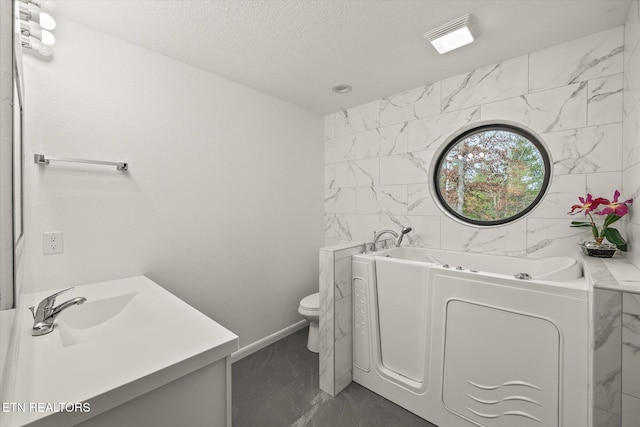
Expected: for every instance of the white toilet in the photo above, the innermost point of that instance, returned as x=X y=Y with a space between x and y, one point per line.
x=310 y=309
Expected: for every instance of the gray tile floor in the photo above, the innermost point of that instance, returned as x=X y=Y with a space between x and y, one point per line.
x=278 y=387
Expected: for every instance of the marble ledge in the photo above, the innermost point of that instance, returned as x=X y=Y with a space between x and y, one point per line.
x=615 y=274
x=356 y=247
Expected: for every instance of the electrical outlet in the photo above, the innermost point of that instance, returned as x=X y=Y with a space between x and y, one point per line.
x=52 y=242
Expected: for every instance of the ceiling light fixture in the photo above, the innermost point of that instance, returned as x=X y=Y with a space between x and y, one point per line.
x=452 y=35
x=341 y=89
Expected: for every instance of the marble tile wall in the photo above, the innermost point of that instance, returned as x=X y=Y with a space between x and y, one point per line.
x=616 y=359
x=336 y=350
x=630 y=359
x=378 y=155
x=607 y=365
x=631 y=127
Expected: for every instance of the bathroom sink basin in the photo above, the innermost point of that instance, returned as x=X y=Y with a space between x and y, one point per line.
x=130 y=337
x=98 y=318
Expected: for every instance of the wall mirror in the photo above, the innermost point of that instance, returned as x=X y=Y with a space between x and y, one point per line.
x=491 y=175
x=18 y=152
x=11 y=157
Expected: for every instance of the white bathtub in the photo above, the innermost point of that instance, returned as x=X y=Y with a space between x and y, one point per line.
x=458 y=340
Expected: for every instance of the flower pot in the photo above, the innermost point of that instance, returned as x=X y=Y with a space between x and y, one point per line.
x=602 y=250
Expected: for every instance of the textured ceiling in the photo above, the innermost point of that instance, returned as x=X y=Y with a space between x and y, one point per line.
x=297 y=50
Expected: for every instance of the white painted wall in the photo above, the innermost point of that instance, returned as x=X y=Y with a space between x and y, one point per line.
x=222 y=204
x=631 y=126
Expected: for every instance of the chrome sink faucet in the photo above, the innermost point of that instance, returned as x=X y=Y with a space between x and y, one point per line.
x=46 y=313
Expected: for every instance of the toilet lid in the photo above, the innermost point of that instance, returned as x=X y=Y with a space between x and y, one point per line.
x=311 y=302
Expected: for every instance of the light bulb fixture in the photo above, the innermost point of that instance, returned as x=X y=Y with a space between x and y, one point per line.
x=454 y=34
x=28 y=28
x=45 y=20
x=47 y=38
x=33 y=25
x=31 y=29
x=35 y=44
x=46 y=5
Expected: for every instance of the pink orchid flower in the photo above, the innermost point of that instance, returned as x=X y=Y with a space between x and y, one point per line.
x=588 y=205
x=615 y=207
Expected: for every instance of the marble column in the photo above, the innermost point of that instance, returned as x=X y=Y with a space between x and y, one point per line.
x=336 y=339
x=607 y=367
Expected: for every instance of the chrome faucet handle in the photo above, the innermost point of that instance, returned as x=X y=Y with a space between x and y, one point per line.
x=46 y=305
x=51 y=299
x=33 y=312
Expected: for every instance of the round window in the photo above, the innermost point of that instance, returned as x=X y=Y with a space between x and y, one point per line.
x=491 y=175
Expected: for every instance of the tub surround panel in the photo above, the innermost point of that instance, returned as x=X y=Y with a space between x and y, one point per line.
x=357 y=119
x=570 y=94
x=329 y=176
x=560 y=196
x=631 y=354
x=601 y=184
x=340 y=149
x=381 y=199
x=631 y=184
x=357 y=173
x=367 y=144
x=631 y=82
x=420 y=201
x=630 y=411
x=616 y=316
x=430 y=133
x=550 y=237
x=631 y=30
x=577 y=61
x=483 y=85
x=326 y=322
x=605 y=419
x=351 y=227
x=547 y=111
x=427 y=229
x=586 y=150
x=631 y=136
x=509 y=240
x=631 y=304
x=631 y=127
x=335 y=347
x=412 y=104
x=339 y=200
x=604 y=102
x=392 y=139
x=407 y=168
x=607 y=369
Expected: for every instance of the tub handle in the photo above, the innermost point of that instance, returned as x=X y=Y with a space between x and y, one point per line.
x=522 y=276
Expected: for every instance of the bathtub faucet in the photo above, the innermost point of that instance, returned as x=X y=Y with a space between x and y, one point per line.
x=379 y=234
x=46 y=313
x=404 y=231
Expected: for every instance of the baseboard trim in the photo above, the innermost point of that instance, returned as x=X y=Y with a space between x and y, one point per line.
x=262 y=343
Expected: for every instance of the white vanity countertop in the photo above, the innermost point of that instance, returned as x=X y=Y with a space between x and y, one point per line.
x=616 y=274
x=149 y=338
